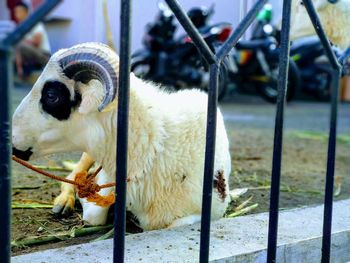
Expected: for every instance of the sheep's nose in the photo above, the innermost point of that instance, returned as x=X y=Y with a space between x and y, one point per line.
x=24 y=155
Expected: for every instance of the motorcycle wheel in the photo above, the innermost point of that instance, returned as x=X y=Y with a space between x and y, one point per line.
x=269 y=91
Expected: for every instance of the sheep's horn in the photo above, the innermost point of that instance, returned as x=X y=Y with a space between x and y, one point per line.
x=92 y=61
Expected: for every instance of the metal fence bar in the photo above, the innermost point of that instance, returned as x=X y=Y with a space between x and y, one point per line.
x=336 y=73
x=205 y=51
x=278 y=137
x=122 y=131
x=241 y=28
x=5 y=152
x=192 y=31
x=212 y=108
x=328 y=199
x=209 y=163
x=211 y=130
x=6 y=72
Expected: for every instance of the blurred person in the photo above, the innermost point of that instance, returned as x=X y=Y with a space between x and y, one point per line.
x=33 y=52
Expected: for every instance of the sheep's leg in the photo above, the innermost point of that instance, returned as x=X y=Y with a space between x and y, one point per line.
x=64 y=203
x=187 y=220
x=92 y=213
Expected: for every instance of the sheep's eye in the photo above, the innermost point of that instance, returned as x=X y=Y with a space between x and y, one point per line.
x=51 y=97
x=56 y=100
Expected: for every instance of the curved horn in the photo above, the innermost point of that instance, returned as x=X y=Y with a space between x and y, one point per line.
x=92 y=61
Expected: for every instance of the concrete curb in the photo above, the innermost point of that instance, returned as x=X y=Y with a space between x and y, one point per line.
x=241 y=239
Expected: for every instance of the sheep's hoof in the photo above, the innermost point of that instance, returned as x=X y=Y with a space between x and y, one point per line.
x=94 y=215
x=63 y=205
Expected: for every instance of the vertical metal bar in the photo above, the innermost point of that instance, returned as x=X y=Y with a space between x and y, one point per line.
x=328 y=200
x=122 y=131
x=278 y=137
x=214 y=62
x=5 y=152
x=209 y=163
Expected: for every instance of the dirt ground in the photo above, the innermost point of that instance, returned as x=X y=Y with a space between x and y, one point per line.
x=302 y=182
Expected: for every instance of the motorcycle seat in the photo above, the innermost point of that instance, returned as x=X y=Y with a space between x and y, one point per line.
x=306 y=43
x=256 y=43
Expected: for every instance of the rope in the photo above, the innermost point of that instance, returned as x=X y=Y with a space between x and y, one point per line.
x=52 y=176
x=86 y=186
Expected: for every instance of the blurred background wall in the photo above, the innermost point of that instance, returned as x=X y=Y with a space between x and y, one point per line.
x=76 y=21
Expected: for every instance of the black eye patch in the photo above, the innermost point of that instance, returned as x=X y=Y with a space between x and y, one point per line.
x=55 y=100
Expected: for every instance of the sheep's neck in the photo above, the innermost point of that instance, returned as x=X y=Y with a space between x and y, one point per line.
x=141 y=132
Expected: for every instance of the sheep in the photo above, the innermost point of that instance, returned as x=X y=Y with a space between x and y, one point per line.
x=72 y=107
x=333 y=16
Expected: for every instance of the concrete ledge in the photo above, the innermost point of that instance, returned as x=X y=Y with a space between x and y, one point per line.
x=241 y=239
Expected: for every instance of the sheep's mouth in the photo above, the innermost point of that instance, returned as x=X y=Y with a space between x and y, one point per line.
x=24 y=155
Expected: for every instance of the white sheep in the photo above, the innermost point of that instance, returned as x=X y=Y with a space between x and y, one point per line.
x=335 y=19
x=72 y=108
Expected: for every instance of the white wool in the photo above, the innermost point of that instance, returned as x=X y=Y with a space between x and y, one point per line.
x=335 y=19
x=166 y=144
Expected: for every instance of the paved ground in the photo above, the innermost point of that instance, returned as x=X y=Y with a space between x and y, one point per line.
x=254 y=112
x=241 y=239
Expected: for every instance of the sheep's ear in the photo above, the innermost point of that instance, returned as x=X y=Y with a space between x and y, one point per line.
x=92 y=95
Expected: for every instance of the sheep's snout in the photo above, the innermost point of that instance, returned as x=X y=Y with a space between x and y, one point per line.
x=24 y=155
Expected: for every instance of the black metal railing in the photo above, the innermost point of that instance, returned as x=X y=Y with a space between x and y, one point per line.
x=336 y=73
x=278 y=138
x=122 y=132
x=214 y=61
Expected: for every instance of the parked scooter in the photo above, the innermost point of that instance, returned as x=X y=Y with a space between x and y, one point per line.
x=307 y=53
x=176 y=62
x=315 y=69
x=255 y=64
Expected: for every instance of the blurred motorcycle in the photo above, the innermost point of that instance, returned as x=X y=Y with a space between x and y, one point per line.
x=256 y=64
x=176 y=62
x=315 y=69
x=307 y=53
